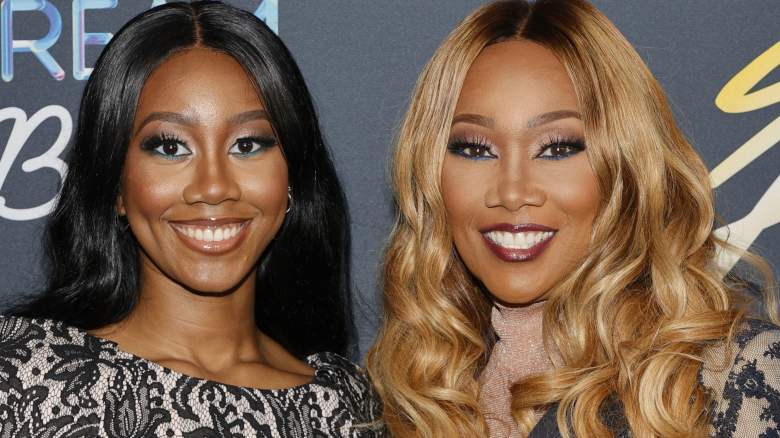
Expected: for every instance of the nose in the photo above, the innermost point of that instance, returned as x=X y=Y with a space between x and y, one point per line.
x=515 y=187
x=212 y=182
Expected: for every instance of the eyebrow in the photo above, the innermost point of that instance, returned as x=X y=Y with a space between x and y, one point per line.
x=181 y=119
x=248 y=117
x=535 y=121
x=474 y=119
x=552 y=116
x=166 y=116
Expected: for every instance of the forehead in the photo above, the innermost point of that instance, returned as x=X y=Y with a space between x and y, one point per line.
x=200 y=81
x=519 y=77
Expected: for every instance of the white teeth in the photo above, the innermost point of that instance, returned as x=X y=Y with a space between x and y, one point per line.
x=210 y=234
x=523 y=240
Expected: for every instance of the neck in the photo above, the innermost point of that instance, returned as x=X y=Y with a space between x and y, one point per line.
x=171 y=323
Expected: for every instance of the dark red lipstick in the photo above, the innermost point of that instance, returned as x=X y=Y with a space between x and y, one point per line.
x=513 y=253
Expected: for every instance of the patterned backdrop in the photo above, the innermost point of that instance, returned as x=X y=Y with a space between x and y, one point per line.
x=717 y=59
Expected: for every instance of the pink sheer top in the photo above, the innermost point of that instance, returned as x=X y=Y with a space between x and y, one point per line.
x=519 y=352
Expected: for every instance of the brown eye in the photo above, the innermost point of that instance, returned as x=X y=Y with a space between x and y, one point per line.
x=245 y=146
x=478 y=150
x=166 y=146
x=471 y=149
x=559 y=150
x=170 y=148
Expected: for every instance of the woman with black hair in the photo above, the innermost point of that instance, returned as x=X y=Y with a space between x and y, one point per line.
x=199 y=279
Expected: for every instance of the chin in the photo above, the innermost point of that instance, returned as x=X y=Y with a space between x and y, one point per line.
x=211 y=289
x=204 y=277
x=513 y=295
x=216 y=283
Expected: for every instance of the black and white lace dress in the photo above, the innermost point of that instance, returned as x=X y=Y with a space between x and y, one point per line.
x=57 y=381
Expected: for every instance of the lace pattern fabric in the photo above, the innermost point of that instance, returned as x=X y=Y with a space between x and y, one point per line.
x=58 y=381
x=747 y=394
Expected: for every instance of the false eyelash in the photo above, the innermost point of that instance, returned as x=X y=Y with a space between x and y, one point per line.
x=569 y=140
x=461 y=142
x=265 y=142
x=576 y=143
x=458 y=144
x=157 y=140
x=262 y=141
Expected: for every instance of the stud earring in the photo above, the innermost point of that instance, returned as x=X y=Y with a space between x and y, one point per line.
x=289 y=199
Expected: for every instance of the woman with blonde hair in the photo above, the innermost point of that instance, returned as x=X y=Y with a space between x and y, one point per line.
x=551 y=271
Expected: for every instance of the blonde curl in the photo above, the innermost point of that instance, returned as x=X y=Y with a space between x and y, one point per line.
x=632 y=323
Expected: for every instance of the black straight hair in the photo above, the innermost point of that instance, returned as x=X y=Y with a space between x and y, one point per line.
x=303 y=281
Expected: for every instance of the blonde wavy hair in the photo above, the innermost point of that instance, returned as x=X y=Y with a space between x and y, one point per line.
x=633 y=321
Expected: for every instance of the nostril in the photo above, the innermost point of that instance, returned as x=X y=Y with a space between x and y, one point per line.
x=212 y=184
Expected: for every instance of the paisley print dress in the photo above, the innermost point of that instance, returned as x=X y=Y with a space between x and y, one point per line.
x=58 y=381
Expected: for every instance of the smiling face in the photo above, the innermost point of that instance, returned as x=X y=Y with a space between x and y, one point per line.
x=518 y=189
x=204 y=185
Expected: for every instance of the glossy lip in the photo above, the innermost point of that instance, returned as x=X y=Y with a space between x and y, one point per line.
x=517 y=255
x=212 y=248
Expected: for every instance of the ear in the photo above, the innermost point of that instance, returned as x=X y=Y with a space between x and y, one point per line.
x=120 y=206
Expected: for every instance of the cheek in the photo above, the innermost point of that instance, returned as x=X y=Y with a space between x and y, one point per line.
x=264 y=184
x=267 y=194
x=585 y=199
x=145 y=191
x=462 y=198
x=464 y=201
x=578 y=197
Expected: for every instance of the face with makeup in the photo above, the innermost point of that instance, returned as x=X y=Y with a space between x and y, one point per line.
x=518 y=189
x=204 y=186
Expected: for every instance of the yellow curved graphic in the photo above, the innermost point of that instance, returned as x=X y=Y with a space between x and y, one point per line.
x=736 y=97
